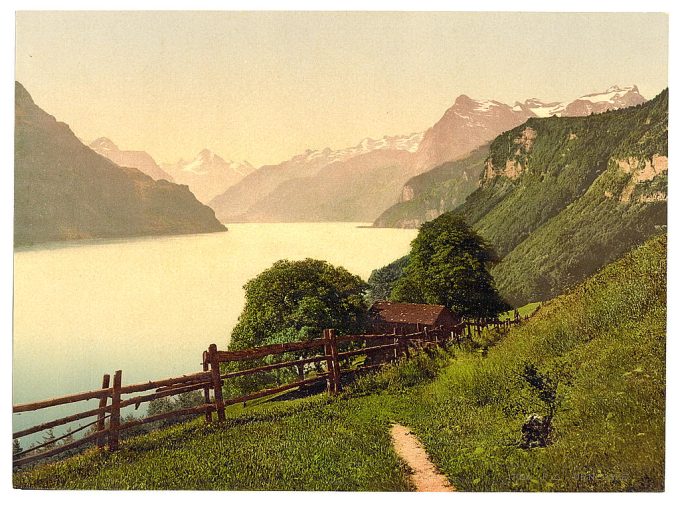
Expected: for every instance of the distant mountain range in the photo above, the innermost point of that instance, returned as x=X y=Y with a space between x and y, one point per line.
x=293 y=190
x=65 y=190
x=137 y=159
x=426 y=197
x=615 y=97
x=361 y=182
x=208 y=175
x=424 y=173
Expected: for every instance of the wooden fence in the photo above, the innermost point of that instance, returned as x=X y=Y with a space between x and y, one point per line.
x=328 y=352
x=110 y=402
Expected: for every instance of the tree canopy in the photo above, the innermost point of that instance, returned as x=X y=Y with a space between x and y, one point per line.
x=299 y=298
x=294 y=301
x=382 y=280
x=448 y=265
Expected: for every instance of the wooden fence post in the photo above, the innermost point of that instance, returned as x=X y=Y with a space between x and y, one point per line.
x=217 y=381
x=403 y=344
x=330 y=349
x=329 y=361
x=206 y=390
x=336 y=361
x=114 y=422
x=102 y=410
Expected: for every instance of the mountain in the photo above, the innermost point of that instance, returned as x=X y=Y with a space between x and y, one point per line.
x=466 y=125
x=63 y=190
x=615 y=97
x=427 y=197
x=208 y=175
x=355 y=190
x=138 y=159
x=561 y=197
x=305 y=187
x=333 y=185
x=252 y=198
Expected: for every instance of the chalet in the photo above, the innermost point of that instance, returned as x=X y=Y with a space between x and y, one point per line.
x=385 y=316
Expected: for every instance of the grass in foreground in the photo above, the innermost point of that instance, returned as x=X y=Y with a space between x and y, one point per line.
x=603 y=344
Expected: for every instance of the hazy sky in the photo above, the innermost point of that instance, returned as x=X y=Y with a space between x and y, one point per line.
x=265 y=86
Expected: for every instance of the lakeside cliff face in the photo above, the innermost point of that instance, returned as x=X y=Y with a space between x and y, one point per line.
x=66 y=191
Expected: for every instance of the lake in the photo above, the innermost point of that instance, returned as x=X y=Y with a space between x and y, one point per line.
x=151 y=306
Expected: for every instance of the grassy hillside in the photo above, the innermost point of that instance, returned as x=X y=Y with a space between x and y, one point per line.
x=561 y=197
x=602 y=345
x=436 y=191
x=605 y=344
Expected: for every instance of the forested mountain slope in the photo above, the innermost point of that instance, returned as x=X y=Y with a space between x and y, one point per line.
x=561 y=197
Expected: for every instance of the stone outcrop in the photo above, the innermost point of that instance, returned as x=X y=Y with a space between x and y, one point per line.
x=641 y=171
x=513 y=167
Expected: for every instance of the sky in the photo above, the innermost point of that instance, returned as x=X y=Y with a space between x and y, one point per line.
x=264 y=86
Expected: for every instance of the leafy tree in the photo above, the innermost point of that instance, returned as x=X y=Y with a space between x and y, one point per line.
x=382 y=280
x=295 y=301
x=448 y=265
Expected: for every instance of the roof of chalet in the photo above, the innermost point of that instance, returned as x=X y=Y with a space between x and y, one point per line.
x=407 y=313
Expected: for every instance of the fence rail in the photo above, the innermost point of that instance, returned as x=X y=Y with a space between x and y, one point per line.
x=379 y=349
x=110 y=404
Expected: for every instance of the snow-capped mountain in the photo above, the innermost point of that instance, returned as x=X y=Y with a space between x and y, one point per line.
x=615 y=97
x=208 y=174
x=467 y=124
x=307 y=186
x=126 y=158
x=233 y=205
x=535 y=107
x=408 y=143
x=206 y=161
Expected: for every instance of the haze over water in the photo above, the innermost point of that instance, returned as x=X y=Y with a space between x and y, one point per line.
x=150 y=306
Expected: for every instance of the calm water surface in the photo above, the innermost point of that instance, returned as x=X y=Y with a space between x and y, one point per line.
x=150 y=306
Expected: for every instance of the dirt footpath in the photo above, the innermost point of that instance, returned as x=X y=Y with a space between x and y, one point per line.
x=425 y=475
